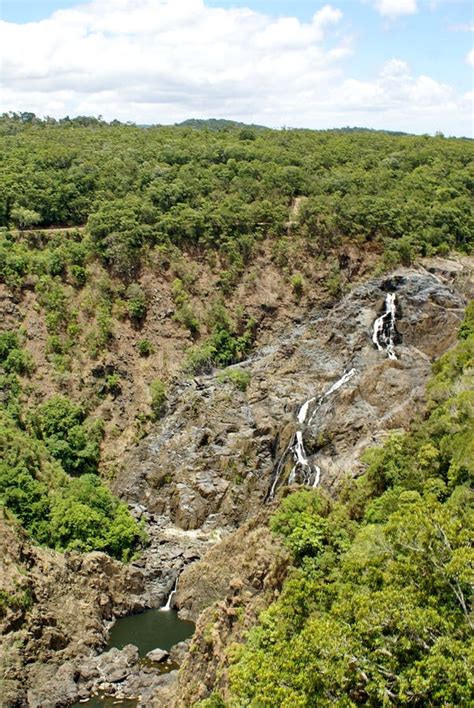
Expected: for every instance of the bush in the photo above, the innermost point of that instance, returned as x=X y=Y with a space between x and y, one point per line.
x=19 y=362
x=222 y=348
x=23 y=218
x=239 y=378
x=70 y=437
x=144 y=347
x=136 y=303
x=158 y=398
x=85 y=516
x=13 y=358
x=78 y=275
x=297 y=284
x=8 y=342
x=113 y=385
x=184 y=313
x=467 y=326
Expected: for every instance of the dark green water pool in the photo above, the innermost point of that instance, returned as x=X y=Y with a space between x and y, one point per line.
x=148 y=630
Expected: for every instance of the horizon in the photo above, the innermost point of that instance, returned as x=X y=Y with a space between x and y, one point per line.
x=236 y=123
x=391 y=65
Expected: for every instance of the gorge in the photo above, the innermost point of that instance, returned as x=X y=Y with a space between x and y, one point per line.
x=236 y=425
x=219 y=454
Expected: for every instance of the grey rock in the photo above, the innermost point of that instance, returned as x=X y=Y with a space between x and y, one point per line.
x=179 y=651
x=157 y=655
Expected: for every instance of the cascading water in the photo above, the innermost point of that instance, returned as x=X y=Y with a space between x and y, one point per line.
x=310 y=473
x=167 y=606
x=384 y=327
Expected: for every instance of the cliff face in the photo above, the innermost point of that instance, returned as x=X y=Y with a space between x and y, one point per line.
x=244 y=446
x=221 y=454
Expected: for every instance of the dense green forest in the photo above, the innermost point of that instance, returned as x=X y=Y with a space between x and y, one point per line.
x=86 y=202
x=376 y=609
x=142 y=188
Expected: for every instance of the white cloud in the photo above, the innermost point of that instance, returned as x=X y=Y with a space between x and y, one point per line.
x=395 y=8
x=470 y=58
x=161 y=61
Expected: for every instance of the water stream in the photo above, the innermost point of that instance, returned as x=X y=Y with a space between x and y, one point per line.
x=305 y=470
x=167 y=606
x=308 y=471
x=383 y=334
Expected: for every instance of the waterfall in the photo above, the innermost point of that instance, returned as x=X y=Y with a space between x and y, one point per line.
x=167 y=606
x=311 y=474
x=340 y=382
x=277 y=474
x=303 y=411
x=384 y=327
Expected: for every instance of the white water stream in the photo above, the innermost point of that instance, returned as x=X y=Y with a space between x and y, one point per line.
x=166 y=607
x=310 y=473
x=384 y=327
x=383 y=336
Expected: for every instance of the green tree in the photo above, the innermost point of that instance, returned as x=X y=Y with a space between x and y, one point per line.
x=71 y=439
x=24 y=218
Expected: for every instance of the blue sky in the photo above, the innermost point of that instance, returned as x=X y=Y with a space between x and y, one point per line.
x=388 y=63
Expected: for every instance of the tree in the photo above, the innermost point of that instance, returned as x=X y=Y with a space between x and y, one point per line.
x=24 y=218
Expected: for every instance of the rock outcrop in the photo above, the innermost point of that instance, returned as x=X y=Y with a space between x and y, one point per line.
x=57 y=611
x=212 y=459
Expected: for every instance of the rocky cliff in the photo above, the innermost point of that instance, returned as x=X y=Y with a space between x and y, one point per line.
x=57 y=608
x=221 y=454
x=227 y=455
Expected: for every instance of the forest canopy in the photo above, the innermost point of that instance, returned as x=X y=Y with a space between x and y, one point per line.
x=227 y=187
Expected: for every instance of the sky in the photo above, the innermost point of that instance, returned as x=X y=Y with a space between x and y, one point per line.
x=390 y=64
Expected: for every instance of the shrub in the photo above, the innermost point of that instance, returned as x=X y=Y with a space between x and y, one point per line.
x=8 y=342
x=78 y=275
x=70 y=437
x=113 y=385
x=23 y=218
x=239 y=378
x=19 y=362
x=85 y=516
x=158 y=398
x=467 y=326
x=297 y=284
x=333 y=282
x=184 y=313
x=136 y=303
x=222 y=348
x=13 y=358
x=144 y=347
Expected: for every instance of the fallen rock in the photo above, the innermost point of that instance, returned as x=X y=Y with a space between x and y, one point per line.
x=116 y=664
x=157 y=655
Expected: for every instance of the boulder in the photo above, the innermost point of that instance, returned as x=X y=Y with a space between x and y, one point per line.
x=157 y=655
